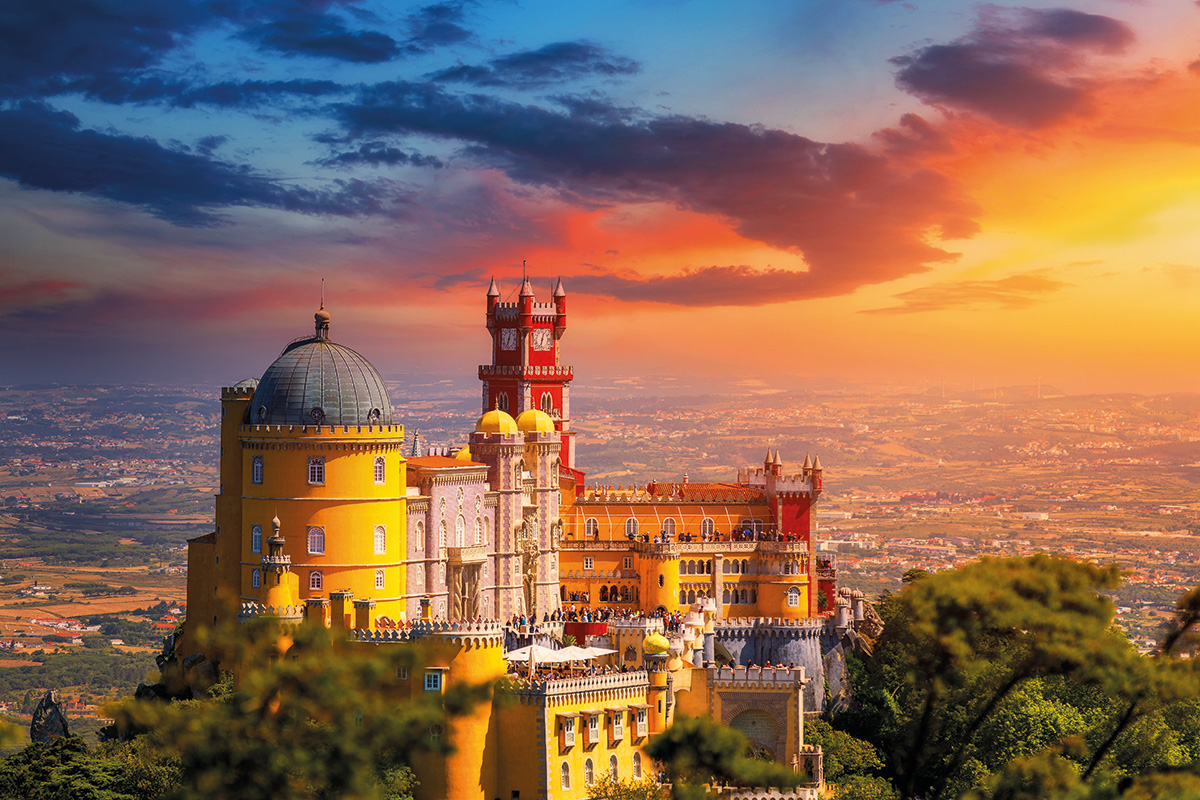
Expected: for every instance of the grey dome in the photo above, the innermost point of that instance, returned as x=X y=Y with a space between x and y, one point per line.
x=315 y=381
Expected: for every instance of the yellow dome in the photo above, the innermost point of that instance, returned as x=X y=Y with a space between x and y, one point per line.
x=655 y=644
x=496 y=421
x=535 y=421
x=464 y=454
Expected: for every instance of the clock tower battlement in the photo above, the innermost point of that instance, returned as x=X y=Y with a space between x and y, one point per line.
x=526 y=371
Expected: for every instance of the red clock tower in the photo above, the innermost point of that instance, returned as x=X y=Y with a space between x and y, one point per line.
x=525 y=371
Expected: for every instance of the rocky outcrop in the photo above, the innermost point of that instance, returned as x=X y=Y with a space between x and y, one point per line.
x=49 y=721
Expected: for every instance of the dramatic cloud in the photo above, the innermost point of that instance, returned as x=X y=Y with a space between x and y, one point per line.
x=45 y=149
x=437 y=25
x=324 y=35
x=554 y=63
x=1021 y=67
x=1015 y=291
x=856 y=217
x=378 y=154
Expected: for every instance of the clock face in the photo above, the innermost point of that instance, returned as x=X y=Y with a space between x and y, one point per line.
x=508 y=338
x=542 y=339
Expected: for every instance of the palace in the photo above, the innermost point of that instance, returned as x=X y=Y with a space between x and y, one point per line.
x=323 y=517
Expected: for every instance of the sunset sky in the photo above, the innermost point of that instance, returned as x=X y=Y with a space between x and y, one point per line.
x=767 y=193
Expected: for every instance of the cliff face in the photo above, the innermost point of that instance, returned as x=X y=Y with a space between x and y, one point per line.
x=49 y=721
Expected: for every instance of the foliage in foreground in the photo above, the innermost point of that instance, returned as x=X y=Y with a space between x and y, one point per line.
x=695 y=751
x=1005 y=679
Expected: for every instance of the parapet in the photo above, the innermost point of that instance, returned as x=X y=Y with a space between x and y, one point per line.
x=482 y=633
x=257 y=610
x=756 y=676
x=632 y=684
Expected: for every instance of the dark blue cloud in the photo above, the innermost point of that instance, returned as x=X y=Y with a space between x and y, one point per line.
x=1018 y=66
x=378 y=154
x=437 y=25
x=158 y=89
x=324 y=36
x=554 y=63
x=857 y=217
x=45 y=149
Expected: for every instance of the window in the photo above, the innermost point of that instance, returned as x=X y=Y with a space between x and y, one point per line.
x=380 y=470
x=591 y=528
x=568 y=732
x=460 y=529
x=564 y=776
x=380 y=540
x=707 y=527
x=316 y=469
x=442 y=533
x=433 y=681
x=478 y=531
x=502 y=402
x=612 y=767
x=669 y=527
x=618 y=724
x=793 y=597
x=487 y=530
x=315 y=582
x=641 y=723
x=589 y=562
x=255 y=578
x=589 y=773
x=316 y=540
x=627 y=563
x=378 y=579
x=256 y=469
x=256 y=538
x=419 y=544
x=637 y=766
x=547 y=402
x=401 y=673
x=631 y=527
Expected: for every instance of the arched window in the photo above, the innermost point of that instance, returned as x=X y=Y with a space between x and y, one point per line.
x=316 y=539
x=631 y=527
x=682 y=597
x=589 y=773
x=419 y=544
x=518 y=475
x=315 y=581
x=753 y=596
x=745 y=597
x=564 y=776
x=380 y=540
x=379 y=579
x=591 y=528
x=603 y=594
x=707 y=526
x=255 y=578
x=612 y=593
x=460 y=530
x=487 y=530
x=734 y=566
x=256 y=538
x=669 y=527
x=725 y=597
x=637 y=765
x=316 y=469
x=478 y=530
x=380 y=470
x=256 y=469
x=442 y=533
x=708 y=567
x=793 y=597
x=502 y=401
x=745 y=566
x=547 y=402
x=612 y=767
x=691 y=596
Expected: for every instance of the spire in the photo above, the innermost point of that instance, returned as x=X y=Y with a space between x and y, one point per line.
x=321 y=318
x=526 y=288
x=416 y=448
x=807 y=463
x=559 y=291
x=817 y=464
x=493 y=290
x=767 y=461
x=778 y=461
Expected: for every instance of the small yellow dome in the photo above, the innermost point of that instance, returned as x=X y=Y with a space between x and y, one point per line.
x=655 y=644
x=496 y=421
x=535 y=421
x=464 y=454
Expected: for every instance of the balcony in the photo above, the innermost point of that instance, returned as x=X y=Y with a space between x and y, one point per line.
x=459 y=556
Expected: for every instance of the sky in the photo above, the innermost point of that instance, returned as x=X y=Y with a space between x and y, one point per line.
x=767 y=195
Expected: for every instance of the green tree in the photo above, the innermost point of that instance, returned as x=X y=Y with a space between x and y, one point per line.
x=696 y=752
x=609 y=788
x=312 y=716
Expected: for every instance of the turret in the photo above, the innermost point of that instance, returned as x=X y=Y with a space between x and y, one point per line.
x=560 y=308
x=493 y=297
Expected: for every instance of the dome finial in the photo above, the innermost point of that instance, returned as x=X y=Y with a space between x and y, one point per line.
x=322 y=316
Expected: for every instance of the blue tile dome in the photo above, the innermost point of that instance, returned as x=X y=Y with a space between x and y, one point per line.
x=318 y=382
